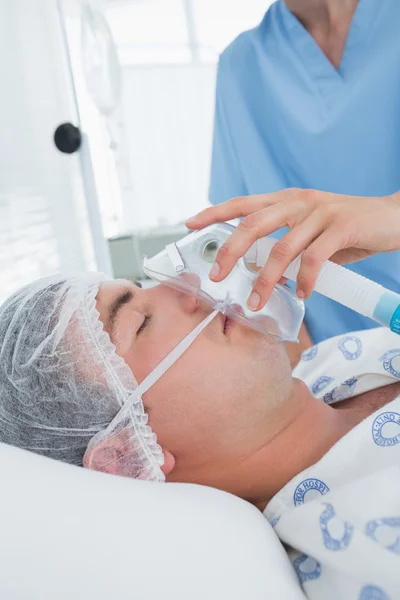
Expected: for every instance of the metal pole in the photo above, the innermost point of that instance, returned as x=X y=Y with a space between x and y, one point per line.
x=192 y=30
x=99 y=242
x=100 y=245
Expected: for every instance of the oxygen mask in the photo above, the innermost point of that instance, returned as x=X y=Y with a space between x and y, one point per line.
x=185 y=266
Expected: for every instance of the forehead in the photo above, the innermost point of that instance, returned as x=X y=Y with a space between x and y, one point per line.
x=108 y=289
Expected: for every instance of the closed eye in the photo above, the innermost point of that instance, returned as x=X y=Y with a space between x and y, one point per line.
x=143 y=326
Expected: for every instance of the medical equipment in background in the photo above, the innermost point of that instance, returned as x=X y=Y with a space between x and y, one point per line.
x=185 y=265
x=69 y=139
x=102 y=74
x=100 y=60
x=127 y=249
x=342 y=285
x=97 y=79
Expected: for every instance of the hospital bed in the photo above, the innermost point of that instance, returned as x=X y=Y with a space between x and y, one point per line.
x=70 y=534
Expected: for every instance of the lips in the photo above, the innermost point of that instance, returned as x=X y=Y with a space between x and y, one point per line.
x=227 y=324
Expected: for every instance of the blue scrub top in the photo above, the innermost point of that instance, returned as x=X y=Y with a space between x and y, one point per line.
x=285 y=117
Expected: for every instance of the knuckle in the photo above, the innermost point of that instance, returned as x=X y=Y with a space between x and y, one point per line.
x=310 y=258
x=307 y=196
x=263 y=284
x=303 y=281
x=302 y=194
x=314 y=196
x=289 y=193
x=228 y=253
x=281 y=251
x=225 y=252
x=249 y=222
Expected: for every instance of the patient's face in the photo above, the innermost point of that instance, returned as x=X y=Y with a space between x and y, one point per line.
x=211 y=407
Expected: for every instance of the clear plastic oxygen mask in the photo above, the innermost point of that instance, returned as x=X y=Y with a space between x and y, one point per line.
x=186 y=264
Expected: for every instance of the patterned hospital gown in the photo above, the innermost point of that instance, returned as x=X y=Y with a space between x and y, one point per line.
x=341 y=516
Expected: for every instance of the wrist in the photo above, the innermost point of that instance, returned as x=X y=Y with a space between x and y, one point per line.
x=393 y=202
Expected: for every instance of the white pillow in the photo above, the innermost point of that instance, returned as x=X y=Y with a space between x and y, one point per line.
x=68 y=533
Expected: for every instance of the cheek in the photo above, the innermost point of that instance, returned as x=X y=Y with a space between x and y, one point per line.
x=181 y=404
x=213 y=395
x=206 y=399
x=148 y=352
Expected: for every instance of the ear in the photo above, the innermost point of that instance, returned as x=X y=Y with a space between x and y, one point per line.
x=169 y=462
x=108 y=456
x=102 y=456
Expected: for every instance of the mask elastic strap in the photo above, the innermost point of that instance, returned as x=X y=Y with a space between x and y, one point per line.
x=168 y=361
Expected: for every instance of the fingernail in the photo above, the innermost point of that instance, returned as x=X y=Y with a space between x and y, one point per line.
x=253 y=301
x=215 y=271
x=300 y=294
x=190 y=219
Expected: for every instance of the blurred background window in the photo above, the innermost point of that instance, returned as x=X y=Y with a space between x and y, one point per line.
x=169 y=50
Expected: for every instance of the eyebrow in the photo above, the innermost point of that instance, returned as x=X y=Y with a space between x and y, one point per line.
x=113 y=313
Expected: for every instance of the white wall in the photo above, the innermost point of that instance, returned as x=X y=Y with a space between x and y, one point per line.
x=169 y=50
x=43 y=219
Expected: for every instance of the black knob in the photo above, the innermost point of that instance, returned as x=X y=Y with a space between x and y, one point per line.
x=67 y=138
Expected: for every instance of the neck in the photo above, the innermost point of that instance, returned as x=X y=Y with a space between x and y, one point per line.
x=308 y=429
x=326 y=12
x=327 y=21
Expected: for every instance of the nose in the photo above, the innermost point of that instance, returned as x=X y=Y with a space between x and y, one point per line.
x=182 y=299
x=189 y=303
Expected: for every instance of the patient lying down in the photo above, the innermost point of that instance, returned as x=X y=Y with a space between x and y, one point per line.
x=318 y=452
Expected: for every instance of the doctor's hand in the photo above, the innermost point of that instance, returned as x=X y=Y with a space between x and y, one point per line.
x=323 y=226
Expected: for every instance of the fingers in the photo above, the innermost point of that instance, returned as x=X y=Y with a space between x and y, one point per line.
x=314 y=230
x=282 y=254
x=236 y=208
x=254 y=226
x=322 y=249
